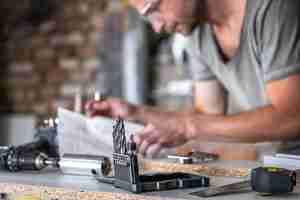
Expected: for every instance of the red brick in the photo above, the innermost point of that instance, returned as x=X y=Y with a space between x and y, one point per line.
x=48 y=27
x=56 y=76
x=44 y=54
x=69 y=64
x=75 y=38
x=91 y=64
x=70 y=89
x=21 y=68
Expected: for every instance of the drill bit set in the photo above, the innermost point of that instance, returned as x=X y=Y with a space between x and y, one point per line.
x=126 y=169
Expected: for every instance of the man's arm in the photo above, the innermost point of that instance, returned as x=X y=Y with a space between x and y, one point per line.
x=209 y=98
x=165 y=129
x=279 y=121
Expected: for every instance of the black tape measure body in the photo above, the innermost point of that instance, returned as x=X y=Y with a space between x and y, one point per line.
x=272 y=180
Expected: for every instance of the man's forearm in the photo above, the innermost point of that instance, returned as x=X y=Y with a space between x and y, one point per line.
x=155 y=115
x=263 y=124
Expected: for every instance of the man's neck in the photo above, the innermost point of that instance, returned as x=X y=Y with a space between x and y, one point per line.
x=224 y=12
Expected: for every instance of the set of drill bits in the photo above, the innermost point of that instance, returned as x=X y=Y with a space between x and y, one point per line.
x=119 y=138
x=126 y=169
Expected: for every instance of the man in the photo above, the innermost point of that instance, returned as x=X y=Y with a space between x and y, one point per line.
x=245 y=57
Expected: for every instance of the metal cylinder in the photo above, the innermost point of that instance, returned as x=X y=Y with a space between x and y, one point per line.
x=17 y=161
x=85 y=165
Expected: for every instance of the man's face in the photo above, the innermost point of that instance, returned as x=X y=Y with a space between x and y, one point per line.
x=171 y=16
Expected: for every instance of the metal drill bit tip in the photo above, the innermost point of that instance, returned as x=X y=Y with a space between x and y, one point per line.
x=226 y=189
x=119 y=137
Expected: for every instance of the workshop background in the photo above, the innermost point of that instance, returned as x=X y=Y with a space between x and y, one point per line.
x=53 y=51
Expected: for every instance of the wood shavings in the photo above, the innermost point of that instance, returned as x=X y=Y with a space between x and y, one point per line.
x=148 y=165
x=48 y=193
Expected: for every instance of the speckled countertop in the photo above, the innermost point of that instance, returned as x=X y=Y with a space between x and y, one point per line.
x=52 y=184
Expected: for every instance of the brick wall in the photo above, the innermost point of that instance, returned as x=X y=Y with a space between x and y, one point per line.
x=44 y=64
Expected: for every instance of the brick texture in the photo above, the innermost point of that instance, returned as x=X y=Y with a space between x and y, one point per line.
x=44 y=63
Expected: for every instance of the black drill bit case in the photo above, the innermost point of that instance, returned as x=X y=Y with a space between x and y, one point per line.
x=126 y=170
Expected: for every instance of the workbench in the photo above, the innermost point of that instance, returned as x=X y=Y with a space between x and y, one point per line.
x=50 y=178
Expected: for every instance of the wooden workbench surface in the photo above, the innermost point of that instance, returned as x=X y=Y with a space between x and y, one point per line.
x=48 y=193
x=52 y=184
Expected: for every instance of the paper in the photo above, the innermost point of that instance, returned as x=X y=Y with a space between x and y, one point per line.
x=78 y=134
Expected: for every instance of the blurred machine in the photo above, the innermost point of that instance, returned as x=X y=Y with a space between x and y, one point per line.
x=43 y=152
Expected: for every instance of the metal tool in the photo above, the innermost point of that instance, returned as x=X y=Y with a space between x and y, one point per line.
x=181 y=159
x=194 y=157
x=126 y=169
x=243 y=186
x=264 y=180
x=15 y=160
x=43 y=152
x=32 y=155
x=84 y=165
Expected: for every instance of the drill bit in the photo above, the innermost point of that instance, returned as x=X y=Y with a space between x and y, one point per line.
x=123 y=138
x=238 y=187
x=119 y=137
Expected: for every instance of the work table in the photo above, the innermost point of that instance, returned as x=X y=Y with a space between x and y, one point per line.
x=69 y=185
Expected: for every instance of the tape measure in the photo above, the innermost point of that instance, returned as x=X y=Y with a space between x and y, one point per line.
x=264 y=180
x=272 y=180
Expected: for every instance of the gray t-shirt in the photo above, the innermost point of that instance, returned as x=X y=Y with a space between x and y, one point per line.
x=269 y=50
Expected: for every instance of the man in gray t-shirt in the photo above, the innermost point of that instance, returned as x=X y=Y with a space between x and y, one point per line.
x=245 y=60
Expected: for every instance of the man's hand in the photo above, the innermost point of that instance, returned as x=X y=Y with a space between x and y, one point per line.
x=110 y=107
x=153 y=138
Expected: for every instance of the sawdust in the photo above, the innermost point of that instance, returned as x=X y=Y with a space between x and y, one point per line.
x=147 y=165
x=47 y=193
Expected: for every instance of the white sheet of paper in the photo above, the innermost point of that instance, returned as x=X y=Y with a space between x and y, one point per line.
x=78 y=134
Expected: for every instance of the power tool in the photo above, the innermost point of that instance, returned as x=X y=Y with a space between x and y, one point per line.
x=43 y=152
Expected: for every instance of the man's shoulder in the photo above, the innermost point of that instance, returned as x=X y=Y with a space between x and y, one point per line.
x=274 y=9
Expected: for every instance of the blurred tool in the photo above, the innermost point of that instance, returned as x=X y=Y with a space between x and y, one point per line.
x=14 y=160
x=33 y=155
x=43 y=152
x=194 y=157
x=264 y=180
x=84 y=165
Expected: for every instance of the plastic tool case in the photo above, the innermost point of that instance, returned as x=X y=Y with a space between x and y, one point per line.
x=126 y=169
